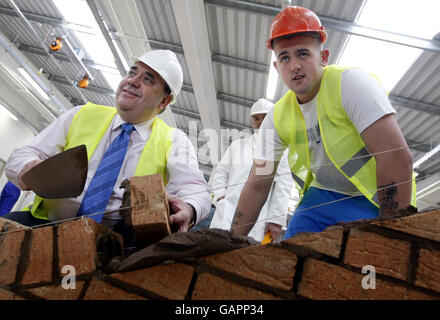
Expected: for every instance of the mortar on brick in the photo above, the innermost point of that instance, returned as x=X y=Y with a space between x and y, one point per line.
x=328 y=278
x=149 y=215
x=78 y=241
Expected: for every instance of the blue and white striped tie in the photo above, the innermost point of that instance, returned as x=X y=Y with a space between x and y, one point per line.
x=101 y=187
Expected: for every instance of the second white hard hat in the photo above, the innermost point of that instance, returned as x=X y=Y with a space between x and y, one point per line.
x=261 y=106
x=165 y=63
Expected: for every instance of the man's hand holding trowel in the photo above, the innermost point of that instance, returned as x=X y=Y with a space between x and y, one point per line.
x=25 y=169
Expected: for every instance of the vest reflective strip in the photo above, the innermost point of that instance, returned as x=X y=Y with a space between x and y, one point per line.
x=352 y=166
x=298 y=180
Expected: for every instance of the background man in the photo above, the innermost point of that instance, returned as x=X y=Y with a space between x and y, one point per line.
x=346 y=151
x=228 y=178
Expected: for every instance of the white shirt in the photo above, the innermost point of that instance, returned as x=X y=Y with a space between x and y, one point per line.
x=185 y=178
x=364 y=100
x=228 y=179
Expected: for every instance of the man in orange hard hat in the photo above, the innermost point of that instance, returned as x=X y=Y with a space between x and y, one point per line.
x=347 y=154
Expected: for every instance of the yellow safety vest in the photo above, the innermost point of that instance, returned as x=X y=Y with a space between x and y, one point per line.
x=88 y=127
x=342 y=143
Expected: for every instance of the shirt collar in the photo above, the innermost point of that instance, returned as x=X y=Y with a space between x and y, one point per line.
x=143 y=128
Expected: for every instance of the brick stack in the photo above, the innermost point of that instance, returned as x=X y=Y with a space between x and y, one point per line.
x=404 y=251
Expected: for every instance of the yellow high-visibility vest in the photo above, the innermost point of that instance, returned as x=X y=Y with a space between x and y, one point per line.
x=342 y=143
x=88 y=127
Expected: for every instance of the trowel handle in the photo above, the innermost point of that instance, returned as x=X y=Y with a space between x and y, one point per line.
x=267 y=238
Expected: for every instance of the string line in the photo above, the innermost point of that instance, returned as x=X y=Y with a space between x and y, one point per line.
x=230 y=185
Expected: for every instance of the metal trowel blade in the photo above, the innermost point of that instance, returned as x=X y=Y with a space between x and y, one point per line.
x=60 y=176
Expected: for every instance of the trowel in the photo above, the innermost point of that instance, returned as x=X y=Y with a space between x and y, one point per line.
x=60 y=176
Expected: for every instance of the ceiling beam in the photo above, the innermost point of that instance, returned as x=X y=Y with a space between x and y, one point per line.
x=92 y=88
x=56 y=22
x=239 y=63
x=156 y=44
x=57 y=55
x=104 y=30
x=234 y=125
x=415 y=105
x=193 y=31
x=216 y=57
x=253 y=7
x=187 y=113
x=395 y=100
x=234 y=99
x=162 y=45
x=418 y=146
x=195 y=115
x=336 y=24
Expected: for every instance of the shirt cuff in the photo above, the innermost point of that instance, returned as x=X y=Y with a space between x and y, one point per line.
x=197 y=209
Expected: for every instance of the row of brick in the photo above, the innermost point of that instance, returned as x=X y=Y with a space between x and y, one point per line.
x=29 y=257
x=323 y=265
x=319 y=280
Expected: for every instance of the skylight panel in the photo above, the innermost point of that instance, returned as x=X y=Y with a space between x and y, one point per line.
x=93 y=41
x=386 y=60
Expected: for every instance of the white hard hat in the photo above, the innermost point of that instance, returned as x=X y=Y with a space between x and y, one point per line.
x=261 y=106
x=165 y=63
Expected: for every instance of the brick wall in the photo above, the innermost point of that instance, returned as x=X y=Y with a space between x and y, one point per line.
x=404 y=251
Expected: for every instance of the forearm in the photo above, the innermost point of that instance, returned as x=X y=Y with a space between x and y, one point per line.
x=394 y=184
x=47 y=143
x=393 y=163
x=18 y=159
x=185 y=180
x=252 y=199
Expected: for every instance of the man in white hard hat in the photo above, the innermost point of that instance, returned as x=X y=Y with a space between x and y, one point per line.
x=153 y=82
x=228 y=178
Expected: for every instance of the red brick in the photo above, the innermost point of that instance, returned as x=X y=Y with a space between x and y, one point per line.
x=389 y=256
x=428 y=270
x=425 y=224
x=76 y=245
x=99 y=290
x=209 y=287
x=8 y=295
x=58 y=292
x=39 y=266
x=265 y=264
x=11 y=224
x=324 y=281
x=170 y=281
x=10 y=246
x=327 y=242
x=150 y=216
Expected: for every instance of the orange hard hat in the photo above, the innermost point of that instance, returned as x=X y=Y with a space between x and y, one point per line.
x=294 y=19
